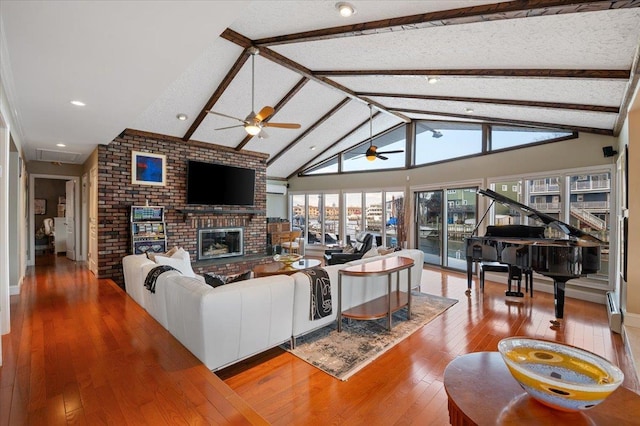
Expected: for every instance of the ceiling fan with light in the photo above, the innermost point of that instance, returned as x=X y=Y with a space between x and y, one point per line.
x=254 y=123
x=372 y=152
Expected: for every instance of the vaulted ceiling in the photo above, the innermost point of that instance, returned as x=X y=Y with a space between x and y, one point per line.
x=545 y=63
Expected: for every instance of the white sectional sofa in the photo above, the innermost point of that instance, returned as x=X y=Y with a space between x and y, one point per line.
x=226 y=324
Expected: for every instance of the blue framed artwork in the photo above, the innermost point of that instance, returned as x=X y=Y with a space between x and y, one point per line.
x=148 y=168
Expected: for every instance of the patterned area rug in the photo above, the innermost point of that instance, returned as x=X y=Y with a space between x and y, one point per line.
x=360 y=342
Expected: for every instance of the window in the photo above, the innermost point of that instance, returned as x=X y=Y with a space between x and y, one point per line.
x=355 y=160
x=590 y=211
x=354 y=219
x=588 y=208
x=504 y=215
x=438 y=141
x=510 y=136
x=329 y=166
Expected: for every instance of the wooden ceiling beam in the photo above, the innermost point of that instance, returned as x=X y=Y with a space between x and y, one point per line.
x=594 y=130
x=296 y=88
x=534 y=104
x=311 y=128
x=467 y=15
x=527 y=73
x=224 y=84
x=283 y=61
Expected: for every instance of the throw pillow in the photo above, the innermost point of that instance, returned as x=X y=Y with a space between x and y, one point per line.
x=239 y=277
x=152 y=256
x=180 y=260
x=181 y=253
x=383 y=250
x=373 y=252
x=348 y=249
x=214 y=280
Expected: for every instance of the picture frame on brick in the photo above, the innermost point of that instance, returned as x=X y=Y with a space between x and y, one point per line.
x=148 y=168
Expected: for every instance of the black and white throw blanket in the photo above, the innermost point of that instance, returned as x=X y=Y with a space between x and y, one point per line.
x=152 y=276
x=320 y=293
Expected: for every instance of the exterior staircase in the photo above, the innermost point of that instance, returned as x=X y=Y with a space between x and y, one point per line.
x=584 y=216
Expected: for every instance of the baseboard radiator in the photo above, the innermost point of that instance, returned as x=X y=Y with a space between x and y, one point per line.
x=615 y=316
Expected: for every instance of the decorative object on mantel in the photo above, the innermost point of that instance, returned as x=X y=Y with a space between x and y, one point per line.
x=343 y=354
x=148 y=168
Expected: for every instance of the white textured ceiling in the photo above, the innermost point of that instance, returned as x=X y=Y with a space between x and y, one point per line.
x=138 y=64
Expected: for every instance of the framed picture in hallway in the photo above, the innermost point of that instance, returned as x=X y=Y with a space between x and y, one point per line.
x=39 y=206
x=148 y=168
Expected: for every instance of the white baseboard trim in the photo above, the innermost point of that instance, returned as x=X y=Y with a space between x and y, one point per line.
x=586 y=294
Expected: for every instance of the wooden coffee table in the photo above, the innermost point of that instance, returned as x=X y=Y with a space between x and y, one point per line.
x=482 y=391
x=279 y=268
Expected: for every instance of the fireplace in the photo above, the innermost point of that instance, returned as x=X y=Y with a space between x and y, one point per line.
x=214 y=243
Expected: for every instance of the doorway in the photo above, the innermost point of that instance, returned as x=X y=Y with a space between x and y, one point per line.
x=54 y=205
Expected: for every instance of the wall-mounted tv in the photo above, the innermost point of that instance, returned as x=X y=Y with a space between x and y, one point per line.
x=217 y=184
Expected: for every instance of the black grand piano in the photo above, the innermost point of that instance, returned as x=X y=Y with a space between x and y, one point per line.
x=526 y=247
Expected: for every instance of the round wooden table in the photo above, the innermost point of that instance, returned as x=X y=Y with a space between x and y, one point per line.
x=482 y=391
x=277 y=268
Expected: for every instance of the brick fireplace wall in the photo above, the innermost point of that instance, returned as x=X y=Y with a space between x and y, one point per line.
x=116 y=194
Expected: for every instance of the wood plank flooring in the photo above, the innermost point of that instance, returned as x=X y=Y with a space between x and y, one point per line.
x=81 y=351
x=404 y=386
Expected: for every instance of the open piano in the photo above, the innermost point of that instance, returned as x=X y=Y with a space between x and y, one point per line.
x=526 y=247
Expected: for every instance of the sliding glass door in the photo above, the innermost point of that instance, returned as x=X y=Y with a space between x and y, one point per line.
x=444 y=218
x=429 y=225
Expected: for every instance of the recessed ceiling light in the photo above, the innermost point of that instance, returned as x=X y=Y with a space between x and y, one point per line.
x=433 y=80
x=78 y=103
x=469 y=110
x=345 y=9
x=313 y=148
x=61 y=145
x=182 y=117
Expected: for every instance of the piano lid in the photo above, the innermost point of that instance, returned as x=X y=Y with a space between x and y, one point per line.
x=567 y=229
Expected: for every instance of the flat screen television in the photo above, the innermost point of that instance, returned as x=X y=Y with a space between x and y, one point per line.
x=218 y=184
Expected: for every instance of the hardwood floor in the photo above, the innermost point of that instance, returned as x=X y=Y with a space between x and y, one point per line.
x=81 y=351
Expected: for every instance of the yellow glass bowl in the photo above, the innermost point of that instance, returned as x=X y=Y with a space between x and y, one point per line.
x=287 y=259
x=560 y=376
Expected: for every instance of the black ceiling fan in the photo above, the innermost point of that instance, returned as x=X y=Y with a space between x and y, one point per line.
x=254 y=123
x=372 y=152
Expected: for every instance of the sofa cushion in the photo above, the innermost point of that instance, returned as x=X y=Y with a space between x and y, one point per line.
x=180 y=260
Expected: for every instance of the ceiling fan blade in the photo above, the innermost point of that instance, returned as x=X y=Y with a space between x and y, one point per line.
x=382 y=157
x=225 y=115
x=397 y=151
x=282 y=125
x=263 y=134
x=265 y=113
x=229 y=127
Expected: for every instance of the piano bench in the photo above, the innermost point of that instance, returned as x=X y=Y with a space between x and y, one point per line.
x=515 y=273
x=491 y=267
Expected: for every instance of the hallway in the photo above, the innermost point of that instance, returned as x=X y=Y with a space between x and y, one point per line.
x=81 y=351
